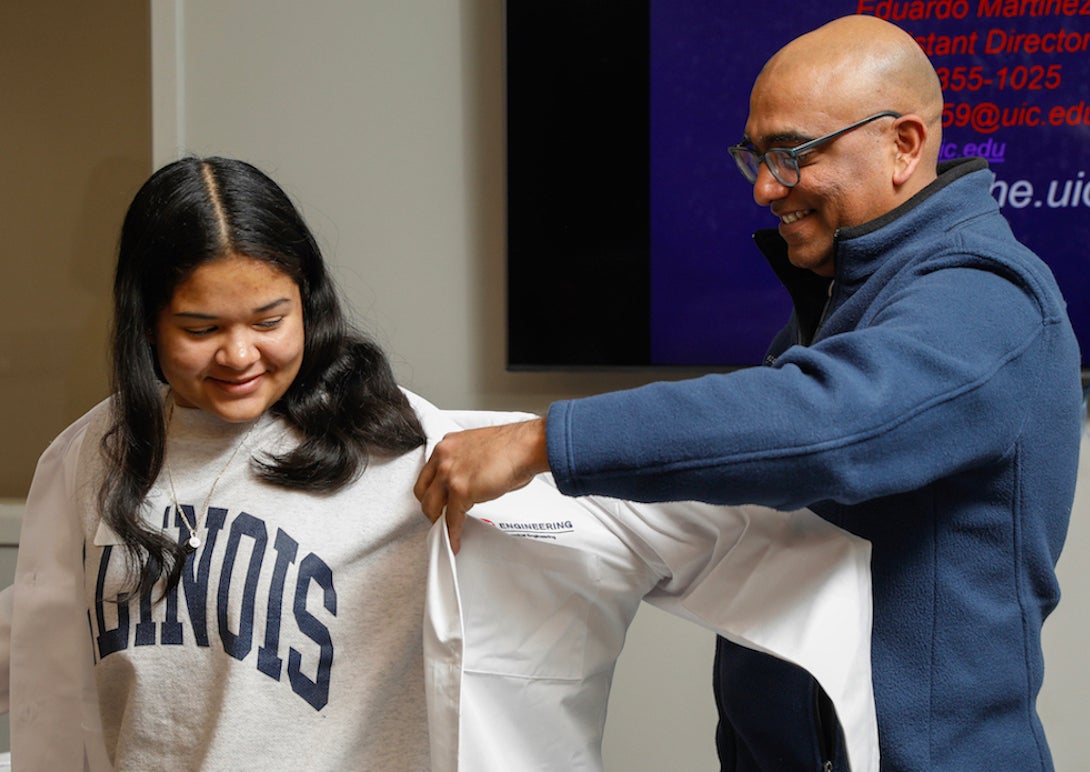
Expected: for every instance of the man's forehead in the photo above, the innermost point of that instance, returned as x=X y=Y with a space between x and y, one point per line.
x=790 y=111
x=776 y=108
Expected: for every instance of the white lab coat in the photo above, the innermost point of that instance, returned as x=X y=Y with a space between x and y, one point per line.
x=522 y=628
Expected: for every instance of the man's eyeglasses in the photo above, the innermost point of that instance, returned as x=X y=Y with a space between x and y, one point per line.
x=783 y=162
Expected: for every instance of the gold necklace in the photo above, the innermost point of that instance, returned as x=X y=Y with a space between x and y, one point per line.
x=194 y=540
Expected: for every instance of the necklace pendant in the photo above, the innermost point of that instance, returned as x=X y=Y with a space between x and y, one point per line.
x=193 y=543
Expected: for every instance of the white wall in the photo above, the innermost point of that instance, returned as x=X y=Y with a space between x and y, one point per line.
x=1065 y=699
x=384 y=120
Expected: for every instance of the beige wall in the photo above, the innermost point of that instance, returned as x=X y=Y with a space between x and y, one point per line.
x=75 y=96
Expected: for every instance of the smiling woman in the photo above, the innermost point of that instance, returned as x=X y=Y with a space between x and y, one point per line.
x=221 y=293
x=210 y=524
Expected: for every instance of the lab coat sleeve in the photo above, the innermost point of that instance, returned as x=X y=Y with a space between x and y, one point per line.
x=789 y=584
x=5 y=649
x=54 y=706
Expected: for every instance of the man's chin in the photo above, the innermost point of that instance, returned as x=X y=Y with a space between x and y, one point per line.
x=808 y=260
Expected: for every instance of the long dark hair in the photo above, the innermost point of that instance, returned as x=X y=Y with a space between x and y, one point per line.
x=344 y=402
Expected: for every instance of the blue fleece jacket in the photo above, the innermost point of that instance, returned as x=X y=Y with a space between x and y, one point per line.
x=927 y=399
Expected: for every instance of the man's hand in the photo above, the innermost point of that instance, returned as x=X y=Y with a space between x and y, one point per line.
x=479 y=465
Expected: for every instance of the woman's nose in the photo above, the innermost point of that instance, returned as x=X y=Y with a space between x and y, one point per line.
x=237 y=352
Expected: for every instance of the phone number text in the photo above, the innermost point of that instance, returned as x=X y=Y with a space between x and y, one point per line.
x=1021 y=77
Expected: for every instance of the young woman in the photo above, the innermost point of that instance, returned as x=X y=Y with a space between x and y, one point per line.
x=254 y=598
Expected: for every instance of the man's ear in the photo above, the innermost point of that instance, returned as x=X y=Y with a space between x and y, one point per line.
x=910 y=135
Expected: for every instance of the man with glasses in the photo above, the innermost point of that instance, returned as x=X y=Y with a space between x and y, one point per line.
x=925 y=395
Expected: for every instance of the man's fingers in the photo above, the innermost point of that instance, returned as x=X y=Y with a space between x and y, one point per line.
x=424 y=481
x=434 y=501
x=455 y=521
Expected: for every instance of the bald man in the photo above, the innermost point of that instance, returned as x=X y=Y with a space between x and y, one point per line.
x=925 y=395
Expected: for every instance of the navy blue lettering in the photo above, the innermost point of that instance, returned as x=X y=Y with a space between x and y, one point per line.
x=170 y=630
x=194 y=583
x=316 y=692
x=238 y=644
x=268 y=661
x=90 y=623
x=309 y=668
x=117 y=638
x=145 y=628
x=91 y=630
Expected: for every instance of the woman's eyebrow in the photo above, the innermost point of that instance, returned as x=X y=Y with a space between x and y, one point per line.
x=270 y=306
x=208 y=317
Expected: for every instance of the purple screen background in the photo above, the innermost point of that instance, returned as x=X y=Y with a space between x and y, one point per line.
x=714 y=300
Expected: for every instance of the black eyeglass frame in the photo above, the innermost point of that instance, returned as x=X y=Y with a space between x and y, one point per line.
x=790 y=155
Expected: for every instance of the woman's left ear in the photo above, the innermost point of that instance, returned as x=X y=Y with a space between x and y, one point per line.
x=910 y=135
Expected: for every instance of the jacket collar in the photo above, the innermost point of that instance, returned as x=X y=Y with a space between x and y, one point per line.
x=855 y=254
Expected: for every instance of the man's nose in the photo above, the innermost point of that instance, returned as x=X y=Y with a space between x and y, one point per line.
x=767 y=188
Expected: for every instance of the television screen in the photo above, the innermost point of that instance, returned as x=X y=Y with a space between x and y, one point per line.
x=629 y=227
